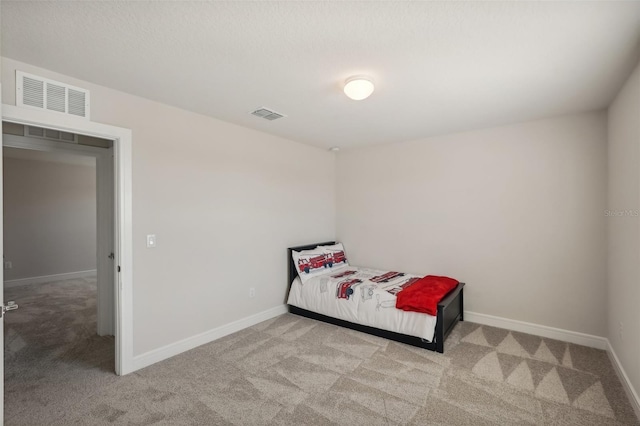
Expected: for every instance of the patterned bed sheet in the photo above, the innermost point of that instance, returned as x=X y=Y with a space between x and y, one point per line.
x=363 y=296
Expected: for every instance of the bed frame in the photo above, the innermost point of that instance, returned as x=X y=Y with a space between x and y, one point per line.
x=450 y=311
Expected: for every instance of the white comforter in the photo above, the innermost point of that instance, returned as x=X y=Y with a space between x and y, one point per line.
x=362 y=296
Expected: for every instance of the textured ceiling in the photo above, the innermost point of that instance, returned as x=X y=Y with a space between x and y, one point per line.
x=439 y=67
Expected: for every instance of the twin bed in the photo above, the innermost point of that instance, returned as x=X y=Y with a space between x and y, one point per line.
x=365 y=299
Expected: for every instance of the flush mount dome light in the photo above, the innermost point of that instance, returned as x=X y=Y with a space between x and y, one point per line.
x=358 y=87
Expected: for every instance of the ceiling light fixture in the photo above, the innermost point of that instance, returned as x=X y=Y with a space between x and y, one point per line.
x=358 y=87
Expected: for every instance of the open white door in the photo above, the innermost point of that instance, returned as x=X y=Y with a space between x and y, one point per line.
x=1 y=279
x=106 y=251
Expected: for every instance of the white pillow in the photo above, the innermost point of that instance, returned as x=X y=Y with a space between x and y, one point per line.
x=319 y=261
x=336 y=253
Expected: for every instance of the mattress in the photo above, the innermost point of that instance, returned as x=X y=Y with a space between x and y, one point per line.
x=363 y=296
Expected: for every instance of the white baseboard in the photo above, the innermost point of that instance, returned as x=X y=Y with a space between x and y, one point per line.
x=156 y=355
x=49 y=278
x=626 y=383
x=539 y=330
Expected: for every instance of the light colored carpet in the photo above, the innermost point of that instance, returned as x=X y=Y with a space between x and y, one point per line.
x=295 y=371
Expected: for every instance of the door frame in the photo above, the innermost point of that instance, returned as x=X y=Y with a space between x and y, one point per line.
x=105 y=225
x=123 y=238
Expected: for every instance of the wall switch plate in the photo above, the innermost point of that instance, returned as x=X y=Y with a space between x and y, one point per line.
x=252 y=292
x=151 y=241
x=8 y=265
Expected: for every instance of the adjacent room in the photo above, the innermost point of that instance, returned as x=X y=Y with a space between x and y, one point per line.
x=492 y=146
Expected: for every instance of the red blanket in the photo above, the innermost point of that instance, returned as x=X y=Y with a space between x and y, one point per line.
x=424 y=295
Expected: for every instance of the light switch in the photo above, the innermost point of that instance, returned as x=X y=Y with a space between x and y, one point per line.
x=151 y=241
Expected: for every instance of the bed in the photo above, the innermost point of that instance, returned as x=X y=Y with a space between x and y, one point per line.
x=413 y=328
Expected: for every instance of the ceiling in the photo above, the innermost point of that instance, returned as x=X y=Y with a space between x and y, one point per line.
x=439 y=67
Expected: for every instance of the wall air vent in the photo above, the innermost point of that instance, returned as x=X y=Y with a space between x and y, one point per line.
x=40 y=133
x=42 y=93
x=267 y=114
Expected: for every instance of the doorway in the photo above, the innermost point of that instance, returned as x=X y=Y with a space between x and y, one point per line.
x=57 y=188
x=122 y=207
x=123 y=255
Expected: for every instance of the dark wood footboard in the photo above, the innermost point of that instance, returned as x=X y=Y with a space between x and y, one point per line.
x=450 y=311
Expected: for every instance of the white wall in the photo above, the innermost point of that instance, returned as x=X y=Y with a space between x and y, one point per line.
x=516 y=212
x=624 y=231
x=224 y=201
x=49 y=218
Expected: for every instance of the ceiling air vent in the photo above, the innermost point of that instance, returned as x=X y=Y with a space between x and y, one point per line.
x=267 y=114
x=42 y=93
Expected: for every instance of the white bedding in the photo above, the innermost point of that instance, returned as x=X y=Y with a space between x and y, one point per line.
x=351 y=295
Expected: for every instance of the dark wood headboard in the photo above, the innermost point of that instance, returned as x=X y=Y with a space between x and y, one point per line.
x=293 y=272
